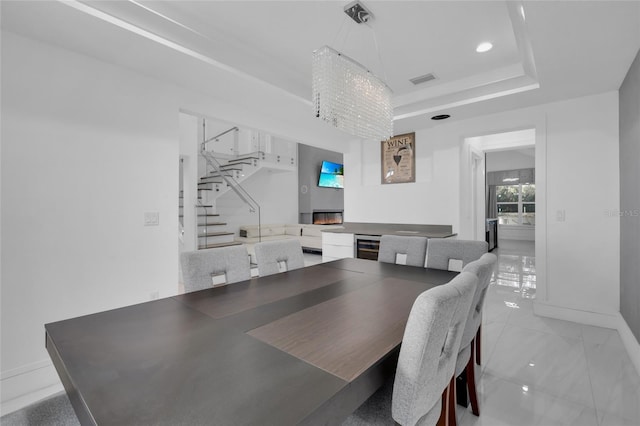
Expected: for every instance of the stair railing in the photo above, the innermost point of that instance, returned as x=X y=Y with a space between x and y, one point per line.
x=203 y=146
x=235 y=186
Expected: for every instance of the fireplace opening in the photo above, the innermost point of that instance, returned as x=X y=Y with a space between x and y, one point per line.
x=324 y=217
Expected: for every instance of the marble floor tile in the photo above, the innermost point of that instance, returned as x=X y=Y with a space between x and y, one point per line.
x=543 y=361
x=498 y=304
x=525 y=318
x=616 y=384
x=599 y=335
x=610 y=419
x=507 y=403
x=576 y=374
x=490 y=334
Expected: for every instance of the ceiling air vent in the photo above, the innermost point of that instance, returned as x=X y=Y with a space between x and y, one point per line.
x=423 y=78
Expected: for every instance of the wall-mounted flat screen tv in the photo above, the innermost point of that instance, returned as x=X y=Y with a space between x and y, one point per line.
x=331 y=175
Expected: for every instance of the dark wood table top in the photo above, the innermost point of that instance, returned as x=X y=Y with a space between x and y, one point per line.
x=303 y=347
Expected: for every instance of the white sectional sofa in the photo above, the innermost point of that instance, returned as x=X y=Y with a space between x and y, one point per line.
x=310 y=236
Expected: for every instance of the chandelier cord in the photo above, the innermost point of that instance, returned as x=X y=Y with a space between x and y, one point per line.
x=335 y=38
x=375 y=42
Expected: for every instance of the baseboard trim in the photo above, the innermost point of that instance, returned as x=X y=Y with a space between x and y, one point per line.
x=30 y=398
x=27 y=384
x=598 y=319
x=614 y=321
x=630 y=342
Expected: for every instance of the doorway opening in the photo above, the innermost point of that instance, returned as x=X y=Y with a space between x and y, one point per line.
x=503 y=203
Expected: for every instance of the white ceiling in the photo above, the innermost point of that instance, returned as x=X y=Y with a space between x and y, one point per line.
x=543 y=51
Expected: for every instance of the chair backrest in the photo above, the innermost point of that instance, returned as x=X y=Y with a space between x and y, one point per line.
x=453 y=255
x=199 y=267
x=412 y=249
x=271 y=254
x=430 y=348
x=483 y=269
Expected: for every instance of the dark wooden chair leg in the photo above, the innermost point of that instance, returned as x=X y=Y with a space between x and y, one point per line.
x=452 y=402
x=442 y=420
x=461 y=390
x=477 y=339
x=471 y=384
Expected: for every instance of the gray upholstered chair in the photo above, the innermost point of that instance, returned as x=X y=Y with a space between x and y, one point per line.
x=271 y=254
x=423 y=386
x=413 y=248
x=201 y=267
x=453 y=255
x=483 y=269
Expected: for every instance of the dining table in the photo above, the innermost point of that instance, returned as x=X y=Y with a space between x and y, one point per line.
x=306 y=346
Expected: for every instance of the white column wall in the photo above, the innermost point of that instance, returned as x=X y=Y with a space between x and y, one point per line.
x=583 y=178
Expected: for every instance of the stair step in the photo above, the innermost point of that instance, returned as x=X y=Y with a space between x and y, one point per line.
x=212 y=224
x=204 y=206
x=215 y=175
x=246 y=161
x=216 y=245
x=213 y=179
x=215 y=234
x=208 y=214
x=245 y=157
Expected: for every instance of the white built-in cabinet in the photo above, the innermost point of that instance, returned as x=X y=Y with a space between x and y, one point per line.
x=336 y=246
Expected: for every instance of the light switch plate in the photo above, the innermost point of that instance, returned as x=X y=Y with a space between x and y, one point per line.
x=151 y=218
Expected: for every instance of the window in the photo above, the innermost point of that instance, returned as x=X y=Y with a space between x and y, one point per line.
x=516 y=204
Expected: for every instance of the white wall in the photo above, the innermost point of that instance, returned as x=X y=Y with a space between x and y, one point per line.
x=87 y=150
x=509 y=160
x=189 y=147
x=630 y=210
x=577 y=260
x=88 y=147
x=583 y=181
x=431 y=199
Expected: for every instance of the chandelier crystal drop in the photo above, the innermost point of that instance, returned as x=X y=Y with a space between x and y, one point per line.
x=349 y=97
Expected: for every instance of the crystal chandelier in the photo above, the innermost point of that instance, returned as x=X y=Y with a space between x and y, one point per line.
x=349 y=97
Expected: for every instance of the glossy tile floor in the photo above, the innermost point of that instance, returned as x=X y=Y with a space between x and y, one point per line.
x=541 y=371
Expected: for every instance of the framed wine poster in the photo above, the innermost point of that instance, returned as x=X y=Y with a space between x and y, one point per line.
x=398 y=159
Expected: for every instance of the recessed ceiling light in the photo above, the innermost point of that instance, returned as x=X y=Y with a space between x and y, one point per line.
x=484 y=47
x=440 y=117
x=522 y=12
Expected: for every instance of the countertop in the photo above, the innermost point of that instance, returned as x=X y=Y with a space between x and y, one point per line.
x=379 y=229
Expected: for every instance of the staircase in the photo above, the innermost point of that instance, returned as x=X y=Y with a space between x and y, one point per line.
x=219 y=179
x=235 y=170
x=210 y=234
x=225 y=172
